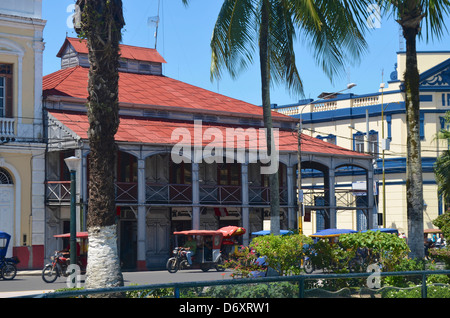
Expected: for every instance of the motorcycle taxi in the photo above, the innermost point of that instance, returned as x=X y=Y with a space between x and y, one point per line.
x=207 y=253
x=60 y=260
x=8 y=269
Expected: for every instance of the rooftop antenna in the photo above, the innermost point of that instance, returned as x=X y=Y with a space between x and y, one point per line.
x=154 y=21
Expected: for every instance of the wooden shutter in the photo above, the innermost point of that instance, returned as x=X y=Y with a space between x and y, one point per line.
x=6 y=71
x=9 y=97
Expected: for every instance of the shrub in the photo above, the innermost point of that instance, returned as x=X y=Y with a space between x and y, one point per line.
x=282 y=253
x=269 y=290
x=405 y=265
x=442 y=254
x=382 y=248
x=243 y=263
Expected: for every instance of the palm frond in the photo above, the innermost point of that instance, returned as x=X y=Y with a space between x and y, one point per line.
x=340 y=37
x=281 y=48
x=233 y=38
x=442 y=173
x=436 y=14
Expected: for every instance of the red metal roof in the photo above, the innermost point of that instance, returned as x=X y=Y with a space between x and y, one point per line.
x=126 y=51
x=159 y=132
x=152 y=91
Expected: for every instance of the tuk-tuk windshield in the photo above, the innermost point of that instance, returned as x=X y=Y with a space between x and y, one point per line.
x=4 y=242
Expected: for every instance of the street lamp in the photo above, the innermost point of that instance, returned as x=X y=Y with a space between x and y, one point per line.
x=299 y=158
x=73 y=163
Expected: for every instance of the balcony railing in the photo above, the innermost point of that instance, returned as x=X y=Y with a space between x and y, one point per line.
x=261 y=195
x=168 y=193
x=220 y=194
x=7 y=127
x=58 y=191
x=127 y=192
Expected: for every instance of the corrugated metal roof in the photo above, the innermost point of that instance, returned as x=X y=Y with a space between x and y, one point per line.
x=160 y=132
x=151 y=90
x=126 y=51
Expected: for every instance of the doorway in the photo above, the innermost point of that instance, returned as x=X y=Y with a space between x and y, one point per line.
x=128 y=244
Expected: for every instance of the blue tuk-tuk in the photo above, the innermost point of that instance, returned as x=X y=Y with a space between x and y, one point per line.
x=267 y=232
x=8 y=269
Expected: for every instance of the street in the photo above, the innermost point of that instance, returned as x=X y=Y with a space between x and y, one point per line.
x=31 y=284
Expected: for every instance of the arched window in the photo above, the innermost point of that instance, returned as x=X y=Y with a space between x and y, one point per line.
x=5 y=177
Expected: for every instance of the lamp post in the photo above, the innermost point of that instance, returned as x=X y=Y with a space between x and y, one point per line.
x=299 y=157
x=72 y=163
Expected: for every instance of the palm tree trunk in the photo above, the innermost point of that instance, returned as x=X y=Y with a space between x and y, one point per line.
x=267 y=116
x=414 y=182
x=101 y=25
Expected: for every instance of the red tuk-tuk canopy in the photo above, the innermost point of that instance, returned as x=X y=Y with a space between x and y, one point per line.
x=229 y=231
x=67 y=235
x=216 y=236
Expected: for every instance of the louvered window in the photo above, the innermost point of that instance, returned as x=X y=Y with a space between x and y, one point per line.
x=6 y=91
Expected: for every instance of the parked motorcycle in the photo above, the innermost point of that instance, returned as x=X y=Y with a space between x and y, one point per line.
x=55 y=269
x=178 y=260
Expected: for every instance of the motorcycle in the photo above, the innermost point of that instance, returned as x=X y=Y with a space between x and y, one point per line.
x=178 y=261
x=55 y=269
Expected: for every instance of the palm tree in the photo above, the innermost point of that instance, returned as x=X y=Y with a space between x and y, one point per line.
x=332 y=28
x=101 y=25
x=410 y=15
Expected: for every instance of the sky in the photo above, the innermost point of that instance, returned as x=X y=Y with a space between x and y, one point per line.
x=183 y=39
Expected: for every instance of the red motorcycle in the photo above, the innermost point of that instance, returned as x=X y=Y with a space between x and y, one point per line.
x=55 y=269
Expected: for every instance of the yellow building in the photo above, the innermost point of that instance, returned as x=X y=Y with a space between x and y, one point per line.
x=22 y=147
x=376 y=123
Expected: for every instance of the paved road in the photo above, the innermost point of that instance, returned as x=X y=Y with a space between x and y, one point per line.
x=31 y=283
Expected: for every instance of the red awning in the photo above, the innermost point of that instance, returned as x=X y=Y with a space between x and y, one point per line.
x=198 y=232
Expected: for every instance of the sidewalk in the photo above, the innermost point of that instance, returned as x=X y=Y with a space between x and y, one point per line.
x=29 y=272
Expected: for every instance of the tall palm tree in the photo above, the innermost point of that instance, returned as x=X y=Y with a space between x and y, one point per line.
x=410 y=14
x=332 y=28
x=101 y=25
